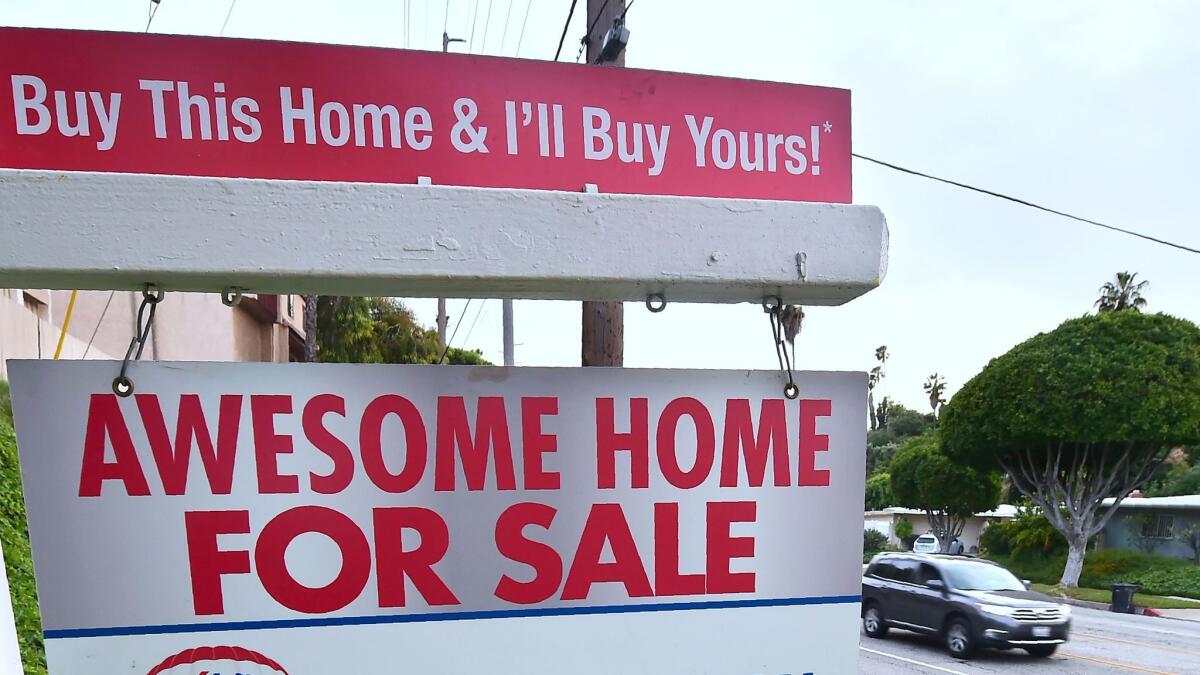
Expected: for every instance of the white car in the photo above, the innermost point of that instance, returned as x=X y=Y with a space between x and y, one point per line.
x=926 y=543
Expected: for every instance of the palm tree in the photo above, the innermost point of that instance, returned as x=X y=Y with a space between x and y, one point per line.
x=873 y=379
x=935 y=386
x=1122 y=295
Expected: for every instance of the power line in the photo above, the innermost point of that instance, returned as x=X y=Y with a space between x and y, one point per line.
x=151 y=11
x=407 y=21
x=456 y=325
x=588 y=36
x=474 y=21
x=98 y=322
x=467 y=19
x=471 y=330
x=504 y=34
x=487 y=23
x=528 y=4
x=566 y=25
x=1023 y=202
x=226 y=21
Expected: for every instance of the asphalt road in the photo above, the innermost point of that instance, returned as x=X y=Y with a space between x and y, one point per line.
x=1101 y=642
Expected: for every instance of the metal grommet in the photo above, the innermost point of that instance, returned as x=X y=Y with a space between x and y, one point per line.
x=656 y=302
x=770 y=303
x=152 y=293
x=791 y=391
x=231 y=296
x=122 y=386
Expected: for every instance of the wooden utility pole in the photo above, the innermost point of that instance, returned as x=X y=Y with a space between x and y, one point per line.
x=603 y=322
x=443 y=319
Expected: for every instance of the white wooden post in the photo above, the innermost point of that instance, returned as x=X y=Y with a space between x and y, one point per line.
x=120 y=231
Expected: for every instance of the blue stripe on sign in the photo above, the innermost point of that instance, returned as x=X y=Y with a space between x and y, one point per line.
x=441 y=616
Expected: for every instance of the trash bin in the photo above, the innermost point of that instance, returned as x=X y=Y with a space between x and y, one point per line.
x=1122 y=597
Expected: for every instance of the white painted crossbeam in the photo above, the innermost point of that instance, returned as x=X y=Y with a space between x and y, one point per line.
x=119 y=231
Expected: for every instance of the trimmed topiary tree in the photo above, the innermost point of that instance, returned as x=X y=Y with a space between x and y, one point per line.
x=947 y=491
x=1082 y=413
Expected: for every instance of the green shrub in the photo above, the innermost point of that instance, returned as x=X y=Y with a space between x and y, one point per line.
x=14 y=537
x=1028 y=532
x=996 y=539
x=1157 y=574
x=904 y=531
x=874 y=542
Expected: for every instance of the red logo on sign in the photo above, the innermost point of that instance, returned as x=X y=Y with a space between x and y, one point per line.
x=218 y=661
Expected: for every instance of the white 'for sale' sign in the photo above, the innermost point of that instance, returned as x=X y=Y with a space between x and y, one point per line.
x=319 y=519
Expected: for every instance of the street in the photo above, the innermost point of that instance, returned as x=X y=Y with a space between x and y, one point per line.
x=1101 y=642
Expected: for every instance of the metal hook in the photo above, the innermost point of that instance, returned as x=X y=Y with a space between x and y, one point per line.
x=656 y=302
x=231 y=296
x=152 y=293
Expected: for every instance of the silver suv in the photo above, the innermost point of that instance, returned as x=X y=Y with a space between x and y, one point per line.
x=967 y=602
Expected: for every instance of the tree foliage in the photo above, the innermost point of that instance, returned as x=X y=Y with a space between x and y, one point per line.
x=1122 y=294
x=906 y=422
x=1190 y=537
x=935 y=389
x=1121 y=378
x=378 y=330
x=873 y=379
x=896 y=426
x=947 y=491
x=14 y=539
x=1180 y=480
x=879 y=492
x=1081 y=413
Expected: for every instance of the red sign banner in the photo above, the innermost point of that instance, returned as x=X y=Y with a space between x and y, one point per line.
x=197 y=106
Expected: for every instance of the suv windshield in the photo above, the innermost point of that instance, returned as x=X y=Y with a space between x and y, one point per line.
x=969 y=576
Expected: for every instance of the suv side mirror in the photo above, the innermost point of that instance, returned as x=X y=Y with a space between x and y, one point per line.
x=936 y=584
x=1027 y=583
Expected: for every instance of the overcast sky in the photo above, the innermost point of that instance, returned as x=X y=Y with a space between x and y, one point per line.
x=1087 y=106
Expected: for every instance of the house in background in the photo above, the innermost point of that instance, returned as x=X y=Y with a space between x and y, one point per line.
x=187 y=326
x=885 y=521
x=1154 y=525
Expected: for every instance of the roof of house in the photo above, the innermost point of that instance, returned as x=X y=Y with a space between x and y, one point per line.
x=1001 y=511
x=1180 y=502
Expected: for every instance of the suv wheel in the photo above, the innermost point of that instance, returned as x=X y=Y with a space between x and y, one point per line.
x=958 y=639
x=873 y=622
x=1041 y=651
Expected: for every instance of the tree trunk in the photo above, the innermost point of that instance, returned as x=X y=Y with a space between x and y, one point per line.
x=1076 y=549
x=871 y=410
x=310 y=328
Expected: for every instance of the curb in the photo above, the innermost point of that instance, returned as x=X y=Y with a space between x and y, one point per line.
x=1104 y=607
x=1175 y=618
x=1080 y=603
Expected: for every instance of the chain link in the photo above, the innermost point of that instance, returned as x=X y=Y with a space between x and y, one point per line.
x=151 y=295
x=786 y=322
